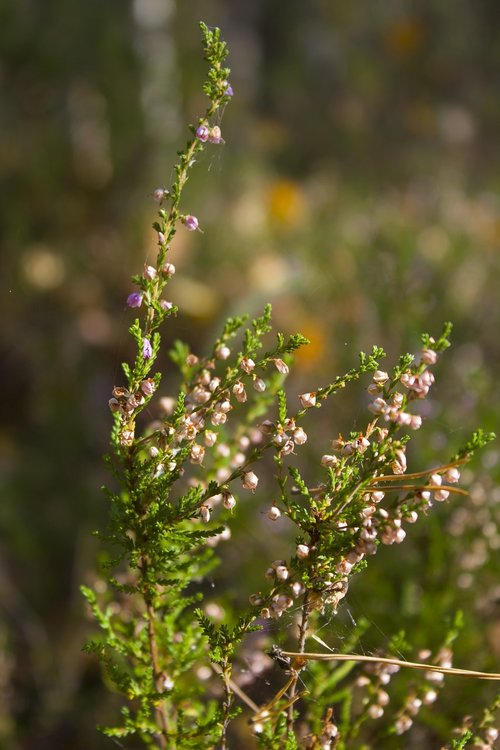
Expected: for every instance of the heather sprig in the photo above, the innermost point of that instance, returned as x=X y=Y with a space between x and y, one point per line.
x=179 y=480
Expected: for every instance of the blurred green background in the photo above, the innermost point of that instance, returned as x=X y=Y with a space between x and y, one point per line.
x=358 y=190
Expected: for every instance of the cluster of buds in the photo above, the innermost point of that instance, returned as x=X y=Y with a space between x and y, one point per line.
x=124 y=402
x=425 y=694
x=205 y=133
x=348 y=448
x=329 y=737
x=376 y=676
x=286 y=435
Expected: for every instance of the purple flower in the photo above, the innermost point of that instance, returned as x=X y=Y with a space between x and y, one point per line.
x=134 y=299
x=229 y=90
x=191 y=222
x=202 y=133
x=147 y=349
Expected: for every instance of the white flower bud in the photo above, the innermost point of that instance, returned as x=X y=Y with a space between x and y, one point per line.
x=205 y=511
x=214 y=384
x=452 y=475
x=168 y=683
x=299 y=436
x=441 y=495
x=415 y=422
x=297 y=588
x=307 y=400
x=378 y=406
x=217 y=418
x=302 y=551
x=210 y=438
x=256 y=600
x=197 y=454
x=228 y=501
x=436 y=479
x=403 y=724
x=329 y=461
x=149 y=272
x=239 y=459
x=267 y=427
x=375 y=711
x=380 y=377
x=259 y=385
x=282 y=573
x=250 y=480
x=273 y=513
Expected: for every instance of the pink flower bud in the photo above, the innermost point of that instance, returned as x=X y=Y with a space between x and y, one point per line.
x=222 y=352
x=147 y=349
x=190 y=222
x=149 y=272
x=159 y=194
x=135 y=299
x=281 y=366
x=215 y=135
x=148 y=386
x=168 y=269
x=428 y=356
x=202 y=133
x=247 y=364
x=240 y=392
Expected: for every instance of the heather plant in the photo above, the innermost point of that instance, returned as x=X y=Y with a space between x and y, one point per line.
x=181 y=467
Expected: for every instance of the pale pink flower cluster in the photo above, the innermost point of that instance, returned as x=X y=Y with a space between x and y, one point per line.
x=417 y=385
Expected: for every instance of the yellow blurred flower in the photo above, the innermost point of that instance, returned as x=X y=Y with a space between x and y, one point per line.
x=287 y=203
